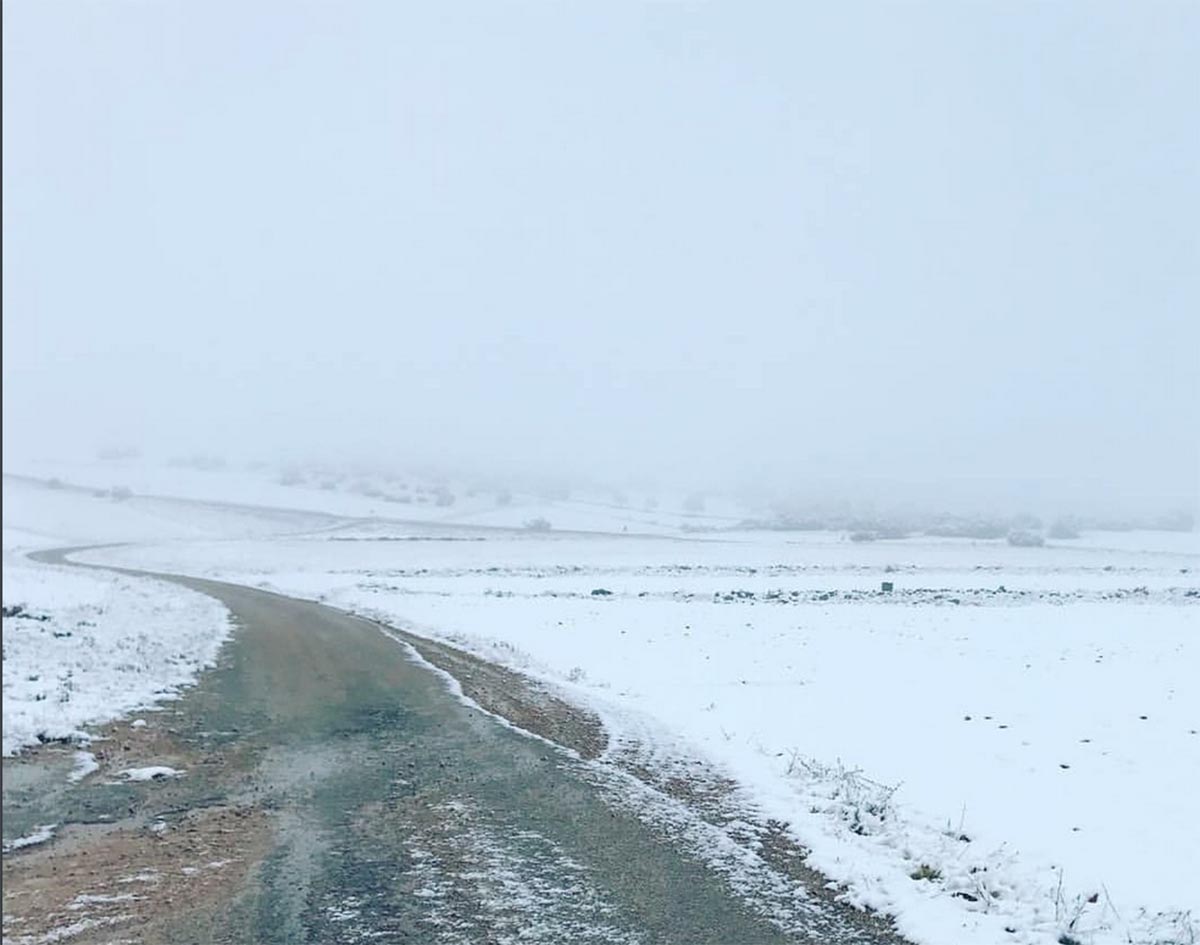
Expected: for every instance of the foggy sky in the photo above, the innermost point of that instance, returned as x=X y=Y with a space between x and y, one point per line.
x=952 y=245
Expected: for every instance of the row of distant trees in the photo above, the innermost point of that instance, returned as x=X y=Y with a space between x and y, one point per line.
x=1021 y=530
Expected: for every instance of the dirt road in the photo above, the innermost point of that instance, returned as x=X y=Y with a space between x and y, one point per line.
x=333 y=789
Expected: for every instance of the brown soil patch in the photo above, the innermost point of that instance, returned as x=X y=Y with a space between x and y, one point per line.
x=522 y=701
x=123 y=745
x=165 y=864
x=131 y=884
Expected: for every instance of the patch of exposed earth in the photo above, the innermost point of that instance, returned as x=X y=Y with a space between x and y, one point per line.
x=132 y=861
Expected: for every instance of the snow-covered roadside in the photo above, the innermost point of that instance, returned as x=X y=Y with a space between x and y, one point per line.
x=1044 y=751
x=84 y=647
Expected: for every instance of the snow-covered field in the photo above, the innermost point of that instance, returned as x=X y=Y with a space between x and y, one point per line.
x=413 y=497
x=1007 y=740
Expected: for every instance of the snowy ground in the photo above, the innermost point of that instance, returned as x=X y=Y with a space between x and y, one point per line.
x=1034 y=709
x=81 y=648
x=414 y=498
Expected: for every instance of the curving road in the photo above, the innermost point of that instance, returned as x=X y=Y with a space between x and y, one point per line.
x=369 y=803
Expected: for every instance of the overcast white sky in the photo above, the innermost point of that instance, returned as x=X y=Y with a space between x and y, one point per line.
x=941 y=243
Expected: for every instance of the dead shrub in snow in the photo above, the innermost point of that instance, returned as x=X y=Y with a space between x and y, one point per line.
x=862 y=803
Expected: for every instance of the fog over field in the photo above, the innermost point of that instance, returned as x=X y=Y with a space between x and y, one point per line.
x=934 y=253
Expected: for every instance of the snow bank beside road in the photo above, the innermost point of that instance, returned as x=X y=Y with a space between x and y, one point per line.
x=84 y=647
